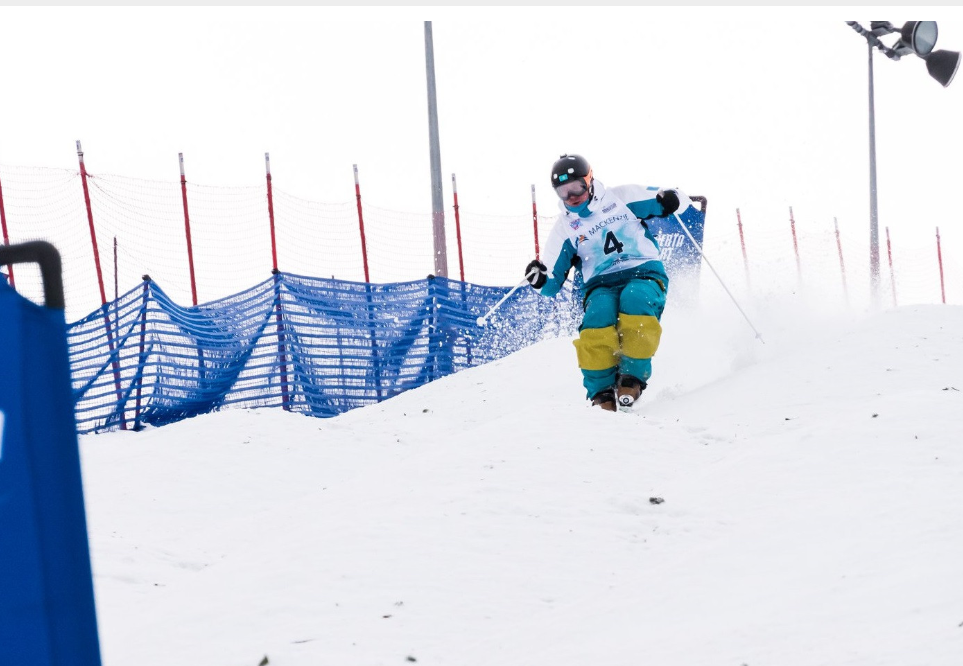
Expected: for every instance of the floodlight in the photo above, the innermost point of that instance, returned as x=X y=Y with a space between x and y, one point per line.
x=920 y=36
x=880 y=28
x=942 y=65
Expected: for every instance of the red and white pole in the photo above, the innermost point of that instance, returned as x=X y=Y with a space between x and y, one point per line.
x=842 y=266
x=100 y=283
x=535 y=221
x=364 y=245
x=270 y=198
x=795 y=244
x=6 y=238
x=892 y=275
x=742 y=241
x=277 y=287
x=90 y=220
x=939 y=257
x=461 y=260
x=187 y=229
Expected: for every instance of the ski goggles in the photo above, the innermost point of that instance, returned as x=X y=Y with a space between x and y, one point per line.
x=573 y=188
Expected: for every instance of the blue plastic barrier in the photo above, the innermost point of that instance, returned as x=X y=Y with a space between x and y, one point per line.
x=47 y=615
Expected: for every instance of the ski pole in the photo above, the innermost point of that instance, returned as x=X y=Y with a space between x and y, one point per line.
x=706 y=259
x=481 y=321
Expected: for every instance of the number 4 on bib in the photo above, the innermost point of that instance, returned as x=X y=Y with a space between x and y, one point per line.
x=612 y=243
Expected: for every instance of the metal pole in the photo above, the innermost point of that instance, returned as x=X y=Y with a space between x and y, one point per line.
x=842 y=266
x=282 y=352
x=437 y=204
x=270 y=201
x=187 y=229
x=141 y=357
x=482 y=320
x=364 y=244
x=535 y=222
x=718 y=277
x=90 y=221
x=461 y=259
x=873 y=210
x=279 y=317
x=742 y=241
x=103 y=294
x=939 y=258
x=795 y=245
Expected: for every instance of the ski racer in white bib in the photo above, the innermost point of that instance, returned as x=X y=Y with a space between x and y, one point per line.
x=601 y=232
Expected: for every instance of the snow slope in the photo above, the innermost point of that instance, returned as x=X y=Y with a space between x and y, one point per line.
x=812 y=514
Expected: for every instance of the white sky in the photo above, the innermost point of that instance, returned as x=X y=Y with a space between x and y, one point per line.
x=811 y=512
x=757 y=108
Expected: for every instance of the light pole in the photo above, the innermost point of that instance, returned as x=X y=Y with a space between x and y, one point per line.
x=917 y=38
x=437 y=206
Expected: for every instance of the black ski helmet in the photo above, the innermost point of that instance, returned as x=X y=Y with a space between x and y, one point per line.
x=570 y=167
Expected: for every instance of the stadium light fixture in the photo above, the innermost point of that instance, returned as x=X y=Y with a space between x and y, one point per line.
x=942 y=65
x=915 y=38
x=920 y=36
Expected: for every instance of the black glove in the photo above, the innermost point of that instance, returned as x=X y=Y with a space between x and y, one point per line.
x=536 y=273
x=669 y=200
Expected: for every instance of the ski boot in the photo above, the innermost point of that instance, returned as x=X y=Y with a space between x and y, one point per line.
x=629 y=390
x=605 y=399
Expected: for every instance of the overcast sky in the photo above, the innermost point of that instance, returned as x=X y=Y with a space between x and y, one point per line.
x=757 y=108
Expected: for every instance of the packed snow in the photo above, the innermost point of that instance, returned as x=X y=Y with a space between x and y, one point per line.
x=797 y=501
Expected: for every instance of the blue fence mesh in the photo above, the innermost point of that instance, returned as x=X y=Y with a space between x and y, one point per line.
x=317 y=346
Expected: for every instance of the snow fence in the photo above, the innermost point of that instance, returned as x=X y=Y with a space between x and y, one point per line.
x=310 y=345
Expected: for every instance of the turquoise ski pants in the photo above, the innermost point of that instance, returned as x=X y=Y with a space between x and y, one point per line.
x=620 y=333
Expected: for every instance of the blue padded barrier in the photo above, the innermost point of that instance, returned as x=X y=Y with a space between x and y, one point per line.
x=47 y=610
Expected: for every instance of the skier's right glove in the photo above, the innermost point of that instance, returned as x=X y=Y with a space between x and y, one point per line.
x=536 y=273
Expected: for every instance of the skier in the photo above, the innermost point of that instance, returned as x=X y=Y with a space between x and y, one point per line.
x=603 y=234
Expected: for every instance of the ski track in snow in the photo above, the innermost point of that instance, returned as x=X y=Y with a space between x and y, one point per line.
x=812 y=488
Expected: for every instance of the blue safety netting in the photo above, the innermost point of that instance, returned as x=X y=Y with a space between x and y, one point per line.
x=311 y=345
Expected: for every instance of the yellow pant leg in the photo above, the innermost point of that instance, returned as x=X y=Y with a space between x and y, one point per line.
x=597 y=348
x=640 y=335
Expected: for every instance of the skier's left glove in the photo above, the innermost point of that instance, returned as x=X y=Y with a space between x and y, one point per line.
x=536 y=273
x=669 y=199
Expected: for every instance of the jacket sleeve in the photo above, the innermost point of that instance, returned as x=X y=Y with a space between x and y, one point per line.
x=642 y=202
x=559 y=257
